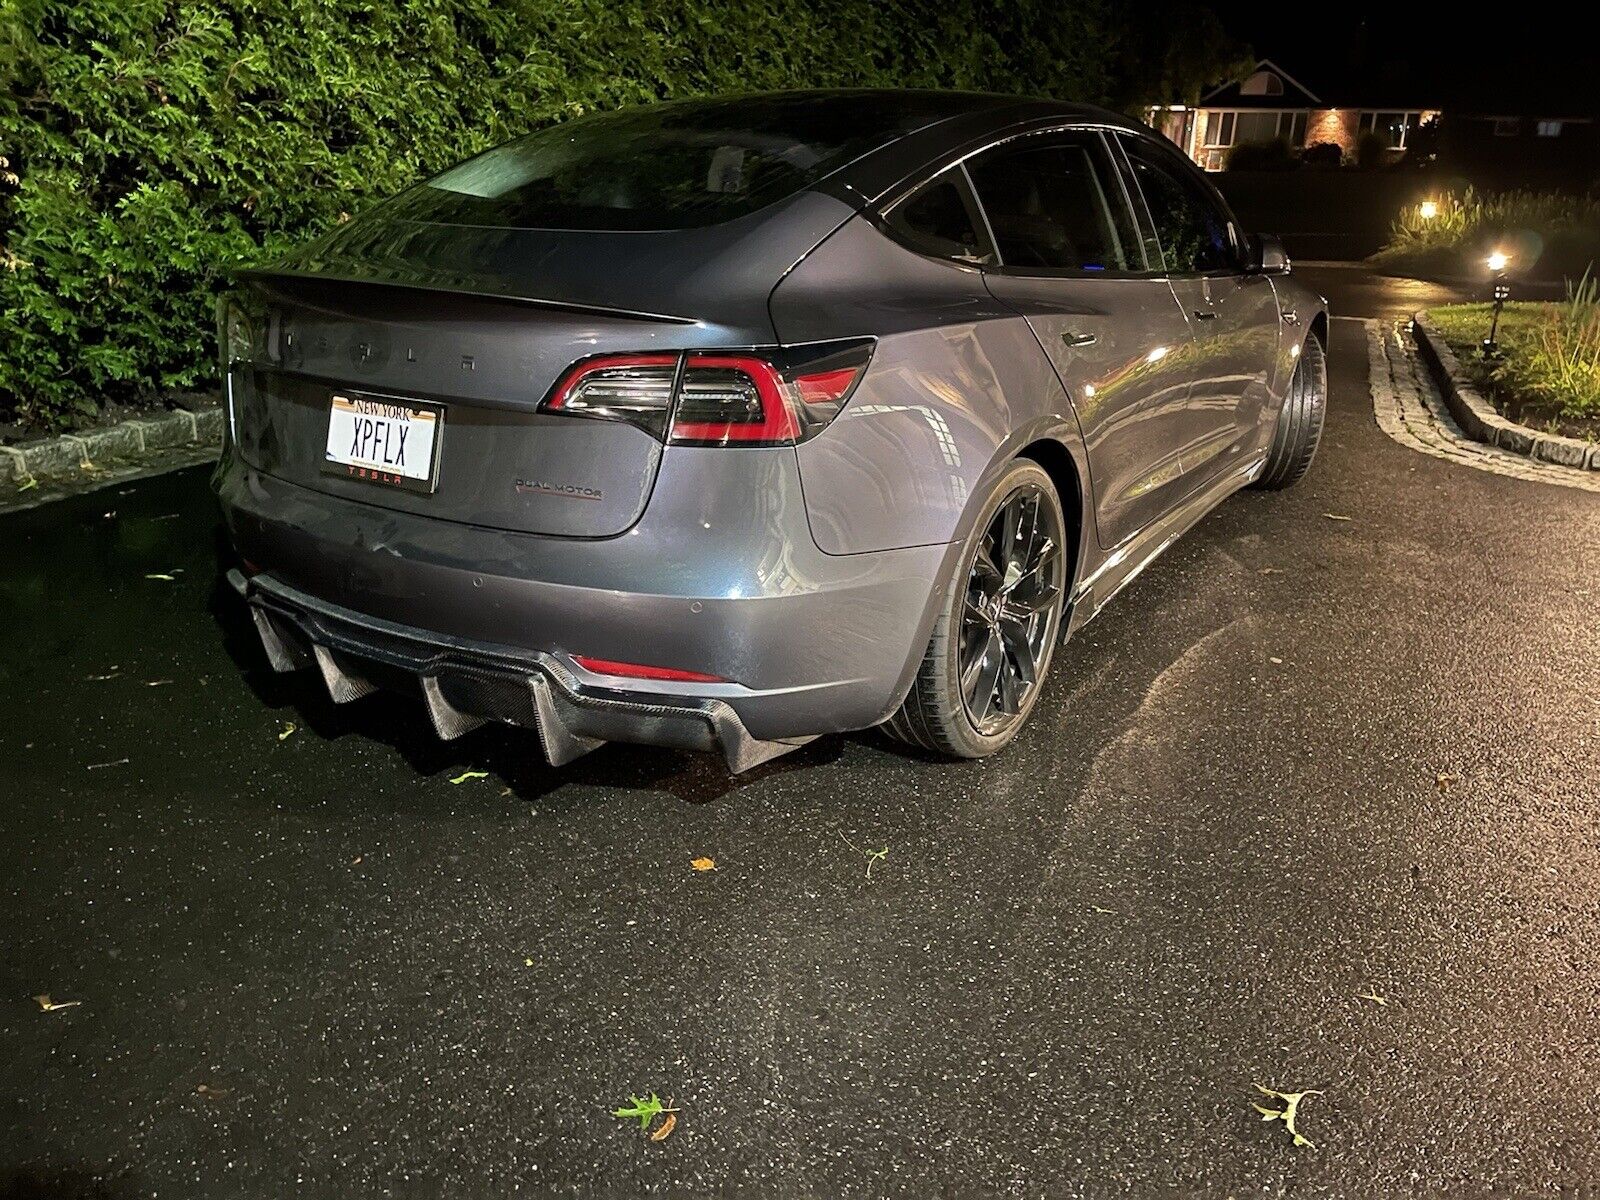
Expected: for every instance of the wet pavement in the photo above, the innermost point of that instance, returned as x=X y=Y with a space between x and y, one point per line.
x=1301 y=765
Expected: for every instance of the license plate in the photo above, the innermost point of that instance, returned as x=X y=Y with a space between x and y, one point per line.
x=385 y=440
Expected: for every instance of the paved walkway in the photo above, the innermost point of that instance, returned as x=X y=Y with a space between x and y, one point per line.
x=1409 y=408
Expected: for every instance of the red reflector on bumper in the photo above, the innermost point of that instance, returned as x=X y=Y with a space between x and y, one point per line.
x=605 y=666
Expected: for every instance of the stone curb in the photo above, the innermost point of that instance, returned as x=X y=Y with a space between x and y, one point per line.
x=1478 y=417
x=78 y=454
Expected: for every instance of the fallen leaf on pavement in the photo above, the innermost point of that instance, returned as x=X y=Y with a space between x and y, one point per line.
x=48 y=1005
x=1373 y=996
x=164 y=578
x=1105 y=912
x=1270 y=571
x=113 y=763
x=112 y=674
x=645 y=1110
x=1337 y=517
x=667 y=1126
x=29 y=485
x=872 y=856
x=288 y=729
x=211 y=1093
x=703 y=864
x=159 y=683
x=1444 y=779
x=466 y=775
x=1279 y=661
x=1289 y=1111
x=356 y=861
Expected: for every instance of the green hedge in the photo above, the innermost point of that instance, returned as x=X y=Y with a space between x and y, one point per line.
x=150 y=146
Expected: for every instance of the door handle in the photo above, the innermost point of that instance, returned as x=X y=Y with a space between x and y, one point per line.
x=1204 y=314
x=1073 y=338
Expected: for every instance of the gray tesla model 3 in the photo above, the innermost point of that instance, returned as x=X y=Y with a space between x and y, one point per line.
x=724 y=424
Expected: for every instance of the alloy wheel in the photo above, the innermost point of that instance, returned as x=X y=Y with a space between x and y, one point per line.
x=1012 y=603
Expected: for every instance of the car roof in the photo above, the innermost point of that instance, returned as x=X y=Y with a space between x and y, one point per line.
x=919 y=126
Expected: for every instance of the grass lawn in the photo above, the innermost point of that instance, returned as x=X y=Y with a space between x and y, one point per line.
x=1548 y=372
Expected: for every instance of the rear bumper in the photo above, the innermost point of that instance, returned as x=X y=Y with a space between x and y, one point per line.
x=729 y=586
x=467 y=684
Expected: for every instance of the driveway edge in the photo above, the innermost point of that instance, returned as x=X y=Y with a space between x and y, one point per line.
x=1478 y=418
x=1409 y=406
x=141 y=443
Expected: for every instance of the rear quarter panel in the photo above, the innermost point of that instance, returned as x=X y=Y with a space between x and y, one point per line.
x=957 y=386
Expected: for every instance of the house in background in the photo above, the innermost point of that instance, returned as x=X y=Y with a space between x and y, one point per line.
x=1269 y=104
x=1530 y=146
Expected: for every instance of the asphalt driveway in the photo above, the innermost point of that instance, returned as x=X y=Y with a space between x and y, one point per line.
x=1312 y=805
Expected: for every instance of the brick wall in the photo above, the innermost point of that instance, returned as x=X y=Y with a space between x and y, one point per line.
x=1337 y=125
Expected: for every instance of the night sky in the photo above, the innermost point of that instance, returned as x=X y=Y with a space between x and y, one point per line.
x=1512 y=59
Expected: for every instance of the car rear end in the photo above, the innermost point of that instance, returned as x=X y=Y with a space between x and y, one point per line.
x=548 y=475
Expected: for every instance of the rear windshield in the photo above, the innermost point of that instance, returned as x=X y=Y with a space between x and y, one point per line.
x=671 y=166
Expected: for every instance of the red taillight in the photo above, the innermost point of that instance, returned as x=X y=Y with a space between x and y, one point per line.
x=725 y=398
x=619 y=387
x=605 y=666
x=716 y=398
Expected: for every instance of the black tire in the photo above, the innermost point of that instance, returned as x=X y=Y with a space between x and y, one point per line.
x=936 y=714
x=1294 y=444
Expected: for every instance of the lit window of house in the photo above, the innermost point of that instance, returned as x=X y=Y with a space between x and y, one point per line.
x=1549 y=129
x=1393 y=127
x=1226 y=128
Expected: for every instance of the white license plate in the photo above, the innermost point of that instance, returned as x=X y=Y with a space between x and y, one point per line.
x=385 y=440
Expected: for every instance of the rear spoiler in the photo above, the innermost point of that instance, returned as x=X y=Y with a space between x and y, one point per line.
x=479 y=287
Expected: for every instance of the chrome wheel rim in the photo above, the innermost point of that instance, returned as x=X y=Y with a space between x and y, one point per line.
x=1008 y=614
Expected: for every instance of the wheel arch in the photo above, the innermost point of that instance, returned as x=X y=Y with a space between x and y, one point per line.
x=1055 y=450
x=1057 y=462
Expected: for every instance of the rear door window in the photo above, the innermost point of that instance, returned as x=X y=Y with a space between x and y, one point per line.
x=1055 y=203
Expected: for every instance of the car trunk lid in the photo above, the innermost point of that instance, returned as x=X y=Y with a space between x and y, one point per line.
x=483 y=323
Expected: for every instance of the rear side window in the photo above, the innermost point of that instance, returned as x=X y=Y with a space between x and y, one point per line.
x=1192 y=228
x=670 y=166
x=936 y=220
x=1053 y=202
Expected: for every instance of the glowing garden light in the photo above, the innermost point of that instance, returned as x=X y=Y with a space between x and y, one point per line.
x=1497 y=261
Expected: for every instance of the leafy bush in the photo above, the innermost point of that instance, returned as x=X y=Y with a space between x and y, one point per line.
x=148 y=147
x=1547 y=235
x=1274 y=155
x=1322 y=154
x=1372 y=150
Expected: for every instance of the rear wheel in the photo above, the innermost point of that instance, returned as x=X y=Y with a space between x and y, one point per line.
x=995 y=636
x=1294 y=444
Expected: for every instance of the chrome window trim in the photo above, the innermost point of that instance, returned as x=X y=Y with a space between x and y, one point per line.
x=896 y=194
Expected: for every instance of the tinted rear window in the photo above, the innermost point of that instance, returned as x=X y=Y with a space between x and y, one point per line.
x=672 y=166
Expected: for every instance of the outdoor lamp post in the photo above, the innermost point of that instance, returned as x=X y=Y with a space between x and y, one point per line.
x=1428 y=210
x=1498 y=261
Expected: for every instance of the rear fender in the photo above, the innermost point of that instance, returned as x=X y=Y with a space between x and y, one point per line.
x=957 y=384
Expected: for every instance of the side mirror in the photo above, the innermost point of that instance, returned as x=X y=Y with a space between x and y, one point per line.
x=1267 y=255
